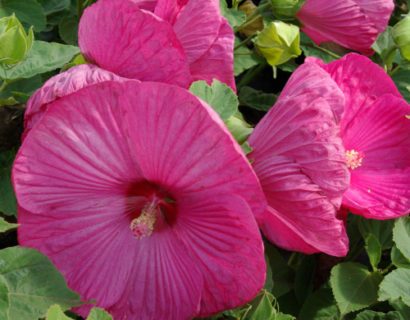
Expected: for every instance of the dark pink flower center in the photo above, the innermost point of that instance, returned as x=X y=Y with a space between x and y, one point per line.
x=150 y=208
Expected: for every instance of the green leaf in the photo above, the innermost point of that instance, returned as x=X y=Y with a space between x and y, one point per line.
x=5 y=226
x=353 y=286
x=373 y=249
x=401 y=235
x=256 y=99
x=99 y=314
x=34 y=284
x=373 y=315
x=234 y=17
x=309 y=48
x=304 y=278
x=402 y=80
x=382 y=230
x=402 y=308
x=321 y=305
x=51 y=6
x=29 y=12
x=22 y=89
x=8 y=202
x=398 y=259
x=384 y=44
x=219 y=96
x=43 y=57
x=243 y=60
x=396 y=286
x=68 y=29
x=262 y=307
x=55 y=313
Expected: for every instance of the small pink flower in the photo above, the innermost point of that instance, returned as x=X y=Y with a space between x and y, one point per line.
x=376 y=136
x=143 y=200
x=299 y=159
x=170 y=41
x=353 y=24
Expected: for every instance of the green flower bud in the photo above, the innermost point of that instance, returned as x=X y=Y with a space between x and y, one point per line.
x=278 y=42
x=14 y=42
x=286 y=8
x=401 y=35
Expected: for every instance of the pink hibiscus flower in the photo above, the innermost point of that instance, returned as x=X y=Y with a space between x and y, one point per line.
x=300 y=161
x=172 y=41
x=353 y=24
x=143 y=200
x=376 y=136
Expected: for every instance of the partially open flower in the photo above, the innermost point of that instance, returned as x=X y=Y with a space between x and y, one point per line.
x=143 y=200
x=353 y=24
x=299 y=159
x=376 y=136
x=170 y=41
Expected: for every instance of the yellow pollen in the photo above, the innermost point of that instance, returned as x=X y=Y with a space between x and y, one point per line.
x=354 y=159
x=143 y=226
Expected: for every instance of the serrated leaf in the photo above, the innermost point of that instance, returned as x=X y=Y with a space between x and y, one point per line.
x=353 y=286
x=382 y=230
x=68 y=29
x=51 y=6
x=383 y=42
x=8 y=202
x=402 y=80
x=219 y=96
x=18 y=88
x=396 y=286
x=256 y=99
x=401 y=307
x=401 y=235
x=34 y=284
x=373 y=315
x=55 y=313
x=321 y=305
x=43 y=57
x=262 y=307
x=29 y=12
x=99 y=314
x=234 y=17
x=373 y=249
x=398 y=259
x=5 y=226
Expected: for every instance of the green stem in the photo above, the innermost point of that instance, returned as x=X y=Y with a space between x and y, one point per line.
x=387 y=269
x=250 y=74
x=255 y=15
x=312 y=45
x=388 y=53
x=244 y=42
x=394 y=70
x=3 y=85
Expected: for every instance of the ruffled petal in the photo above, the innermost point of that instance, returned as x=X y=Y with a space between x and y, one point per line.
x=223 y=235
x=353 y=24
x=217 y=62
x=61 y=85
x=351 y=73
x=133 y=43
x=197 y=27
x=214 y=162
x=300 y=161
x=380 y=187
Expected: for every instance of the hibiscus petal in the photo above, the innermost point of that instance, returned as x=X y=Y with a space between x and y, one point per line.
x=61 y=85
x=217 y=62
x=197 y=27
x=133 y=43
x=351 y=73
x=380 y=187
x=222 y=233
x=300 y=161
x=350 y=23
x=215 y=161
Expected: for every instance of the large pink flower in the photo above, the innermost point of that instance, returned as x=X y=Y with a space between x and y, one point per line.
x=353 y=24
x=376 y=136
x=143 y=200
x=172 y=41
x=299 y=159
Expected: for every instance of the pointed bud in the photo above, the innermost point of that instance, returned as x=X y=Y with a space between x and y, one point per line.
x=278 y=42
x=249 y=8
x=14 y=42
x=286 y=8
x=401 y=35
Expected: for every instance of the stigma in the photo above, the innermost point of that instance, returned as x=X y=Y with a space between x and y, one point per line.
x=143 y=226
x=354 y=159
